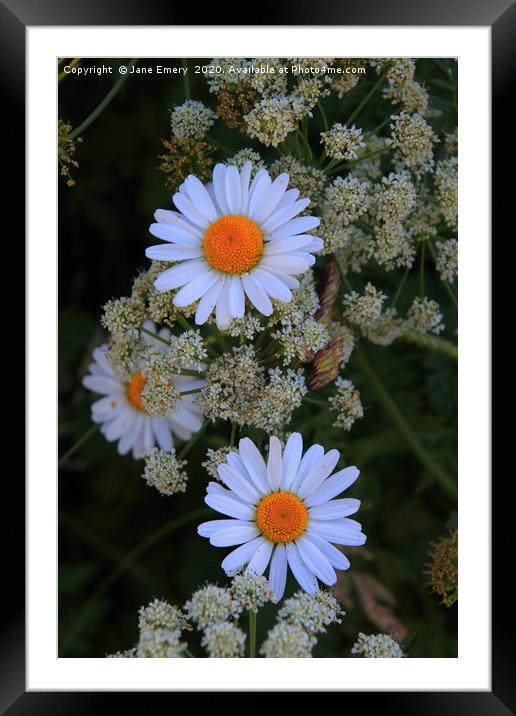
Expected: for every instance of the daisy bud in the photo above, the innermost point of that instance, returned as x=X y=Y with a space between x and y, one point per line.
x=328 y=292
x=326 y=364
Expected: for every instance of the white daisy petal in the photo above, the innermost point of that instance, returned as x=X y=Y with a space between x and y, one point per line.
x=207 y=304
x=304 y=576
x=288 y=263
x=316 y=561
x=289 y=197
x=296 y=226
x=286 y=213
x=291 y=243
x=100 y=384
x=318 y=473
x=257 y=192
x=291 y=459
x=229 y=506
x=333 y=486
x=207 y=529
x=106 y=408
x=271 y=198
x=233 y=189
x=272 y=285
x=173 y=252
x=195 y=289
x=274 y=464
x=312 y=456
x=162 y=433
x=256 y=295
x=222 y=309
x=278 y=572
x=254 y=464
x=176 y=230
x=240 y=556
x=334 y=509
x=236 y=297
x=238 y=483
x=337 y=532
x=178 y=275
x=186 y=207
x=260 y=559
x=333 y=555
x=238 y=533
x=200 y=198
x=289 y=281
x=245 y=176
x=219 y=188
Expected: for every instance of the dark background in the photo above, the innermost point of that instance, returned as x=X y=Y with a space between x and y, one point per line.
x=107 y=511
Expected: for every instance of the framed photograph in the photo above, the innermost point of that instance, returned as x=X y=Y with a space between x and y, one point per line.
x=254 y=375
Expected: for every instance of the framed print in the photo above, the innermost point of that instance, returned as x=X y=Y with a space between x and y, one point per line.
x=250 y=425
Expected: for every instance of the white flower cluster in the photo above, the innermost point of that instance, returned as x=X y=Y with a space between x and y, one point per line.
x=214 y=458
x=377 y=646
x=342 y=142
x=347 y=403
x=362 y=310
x=272 y=119
x=447 y=259
x=187 y=351
x=191 y=119
x=159 y=394
x=393 y=246
x=250 y=591
x=160 y=626
x=223 y=640
x=310 y=180
x=240 y=159
x=123 y=317
x=446 y=190
x=211 y=604
x=394 y=197
x=165 y=472
x=424 y=316
x=415 y=140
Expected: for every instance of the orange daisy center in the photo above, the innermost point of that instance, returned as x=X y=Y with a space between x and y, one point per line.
x=281 y=517
x=233 y=244
x=134 y=391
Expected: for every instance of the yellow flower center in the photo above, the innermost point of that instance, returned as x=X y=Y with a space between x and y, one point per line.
x=281 y=517
x=134 y=391
x=233 y=244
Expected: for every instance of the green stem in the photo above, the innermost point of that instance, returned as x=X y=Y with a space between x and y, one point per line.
x=252 y=634
x=403 y=425
x=188 y=654
x=447 y=284
x=365 y=100
x=190 y=392
x=102 y=106
x=233 y=434
x=422 y=271
x=124 y=565
x=430 y=342
x=186 y=78
x=308 y=149
x=196 y=436
x=77 y=444
x=380 y=126
x=400 y=288
x=155 y=336
x=323 y=115
x=313 y=401
x=184 y=323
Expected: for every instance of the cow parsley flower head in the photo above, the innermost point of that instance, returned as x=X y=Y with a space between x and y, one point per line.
x=191 y=119
x=288 y=641
x=447 y=259
x=415 y=140
x=232 y=240
x=347 y=403
x=211 y=604
x=251 y=591
x=342 y=142
x=311 y=612
x=377 y=646
x=223 y=640
x=282 y=513
x=165 y=472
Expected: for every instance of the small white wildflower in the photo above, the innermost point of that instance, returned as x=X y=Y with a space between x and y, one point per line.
x=123 y=317
x=247 y=155
x=301 y=341
x=446 y=190
x=346 y=402
x=127 y=654
x=451 y=142
x=356 y=249
x=160 y=626
x=187 y=351
x=348 y=198
x=165 y=472
x=377 y=646
x=371 y=168
x=411 y=95
x=424 y=315
x=159 y=394
x=288 y=641
x=250 y=591
x=214 y=458
x=342 y=142
x=248 y=326
x=362 y=310
x=191 y=119
x=271 y=120
x=415 y=140
x=394 y=198
x=386 y=329
x=421 y=224
x=283 y=393
x=223 y=640
x=312 y=612
x=397 y=70
x=122 y=355
x=393 y=247
x=210 y=604
x=447 y=259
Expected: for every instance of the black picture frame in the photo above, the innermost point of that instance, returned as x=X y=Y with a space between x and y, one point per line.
x=15 y=16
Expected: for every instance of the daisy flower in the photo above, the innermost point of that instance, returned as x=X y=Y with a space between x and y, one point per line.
x=231 y=239
x=283 y=513
x=121 y=413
